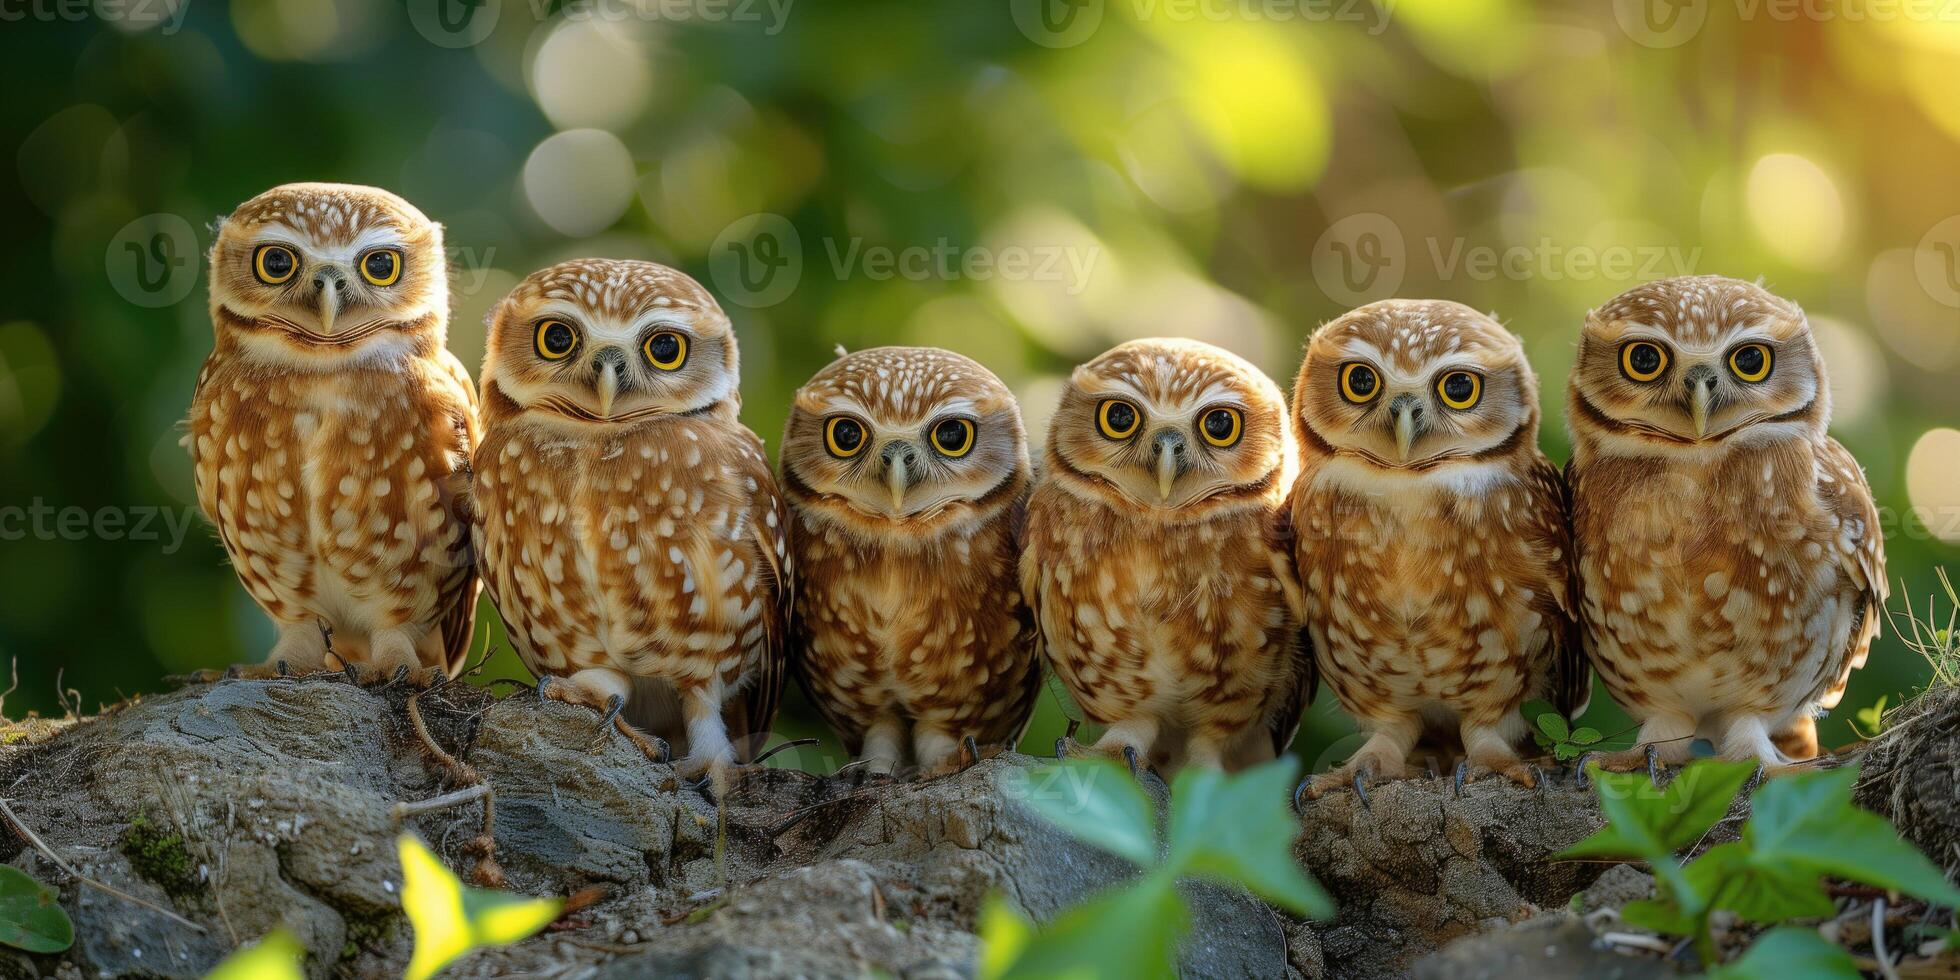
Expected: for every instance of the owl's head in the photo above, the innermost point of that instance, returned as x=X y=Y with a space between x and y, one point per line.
x=1411 y=384
x=1171 y=426
x=610 y=341
x=1696 y=360
x=319 y=272
x=903 y=436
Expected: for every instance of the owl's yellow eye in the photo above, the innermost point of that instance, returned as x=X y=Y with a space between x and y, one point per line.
x=1359 y=383
x=1222 y=426
x=1460 y=389
x=556 y=340
x=1118 y=419
x=274 y=264
x=953 y=437
x=382 y=267
x=1751 y=362
x=1642 y=361
x=666 y=350
x=843 y=436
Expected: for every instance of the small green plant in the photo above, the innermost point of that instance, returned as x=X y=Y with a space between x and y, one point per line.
x=1801 y=828
x=31 y=917
x=1235 y=829
x=1869 y=722
x=452 y=919
x=1555 y=734
x=160 y=856
x=1934 y=638
x=276 y=957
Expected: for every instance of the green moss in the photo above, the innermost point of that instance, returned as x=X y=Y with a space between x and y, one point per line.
x=161 y=857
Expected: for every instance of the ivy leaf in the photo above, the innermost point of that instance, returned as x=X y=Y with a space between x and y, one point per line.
x=1237 y=828
x=1807 y=822
x=1790 y=953
x=1554 y=726
x=276 y=957
x=451 y=918
x=1586 y=736
x=1652 y=824
x=31 y=917
x=1131 y=931
x=1731 y=878
x=1566 y=751
x=1096 y=801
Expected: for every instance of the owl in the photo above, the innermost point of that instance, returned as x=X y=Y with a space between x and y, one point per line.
x=1156 y=562
x=1431 y=538
x=907 y=470
x=630 y=533
x=1729 y=554
x=331 y=431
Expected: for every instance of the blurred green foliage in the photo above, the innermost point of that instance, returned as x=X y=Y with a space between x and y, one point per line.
x=1027 y=182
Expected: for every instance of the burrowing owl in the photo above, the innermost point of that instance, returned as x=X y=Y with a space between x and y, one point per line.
x=1729 y=552
x=907 y=470
x=1431 y=536
x=331 y=430
x=631 y=534
x=1162 y=588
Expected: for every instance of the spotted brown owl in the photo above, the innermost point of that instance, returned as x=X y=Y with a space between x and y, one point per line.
x=1431 y=537
x=631 y=534
x=331 y=430
x=1156 y=563
x=907 y=470
x=1729 y=552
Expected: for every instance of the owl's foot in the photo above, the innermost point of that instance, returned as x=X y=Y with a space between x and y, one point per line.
x=1503 y=764
x=653 y=747
x=1647 y=756
x=1356 y=775
x=966 y=758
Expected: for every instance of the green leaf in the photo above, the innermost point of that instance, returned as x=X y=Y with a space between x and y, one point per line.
x=276 y=957
x=1807 y=822
x=1004 y=934
x=31 y=917
x=1660 y=916
x=1096 y=801
x=451 y=919
x=1536 y=707
x=1728 y=877
x=1652 y=824
x=1586 y=736
x=1238 y=829
x=1554 y=726
x=1790 y=953
x=1566 y=751
x=1127 y=932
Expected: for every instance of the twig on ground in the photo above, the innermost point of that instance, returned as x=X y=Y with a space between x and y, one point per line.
x=1634 y=940
x=1878 y=941
x=34 y=840
x=402 y=811
x=488 y=873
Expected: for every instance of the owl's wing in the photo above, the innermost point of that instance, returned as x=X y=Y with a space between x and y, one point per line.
x=1549 y=528
x=1029 y=693
x=1858 y=550
x=454 y=393
x=769 y=534
x=1304 y=677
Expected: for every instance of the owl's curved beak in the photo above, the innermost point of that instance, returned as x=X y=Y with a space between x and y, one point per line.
x=1406 y=410
x=327 y=283
x=1168 y=448
x=1700 y=380
x=609 y=384
x=899 y=457
x=895 y=477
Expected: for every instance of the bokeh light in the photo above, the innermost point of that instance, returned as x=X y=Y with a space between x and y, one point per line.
x=579 y=181
x=1933 y=480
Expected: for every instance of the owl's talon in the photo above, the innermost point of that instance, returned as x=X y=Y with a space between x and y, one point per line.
x=1361 y=786
x=1537 y=776
x=352 y=673
x=544 y=685
x=1579 y=770
x=232 y=672
x=614 y=705
x=1462 y=771
x=1130 y=757
x=971 y=748
x=1653 y=764
x=1300 y=796
x=1061 y=747
x=283 y=670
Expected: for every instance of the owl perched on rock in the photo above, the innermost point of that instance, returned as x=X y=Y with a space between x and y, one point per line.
x=331 y=431
x=1729 y=552
x=1431 y=537
x=1162 y=586
x=907 y=470
x=631 y=534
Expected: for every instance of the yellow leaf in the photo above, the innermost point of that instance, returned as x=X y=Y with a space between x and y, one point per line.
x=276 y=957
x=1003 y=935
x=450 y=918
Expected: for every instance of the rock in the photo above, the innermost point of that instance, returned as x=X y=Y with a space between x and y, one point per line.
x=250 y=805
x=1546 y=948
x=1418 y=866
x=1911 y=775
x=1614 y=888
